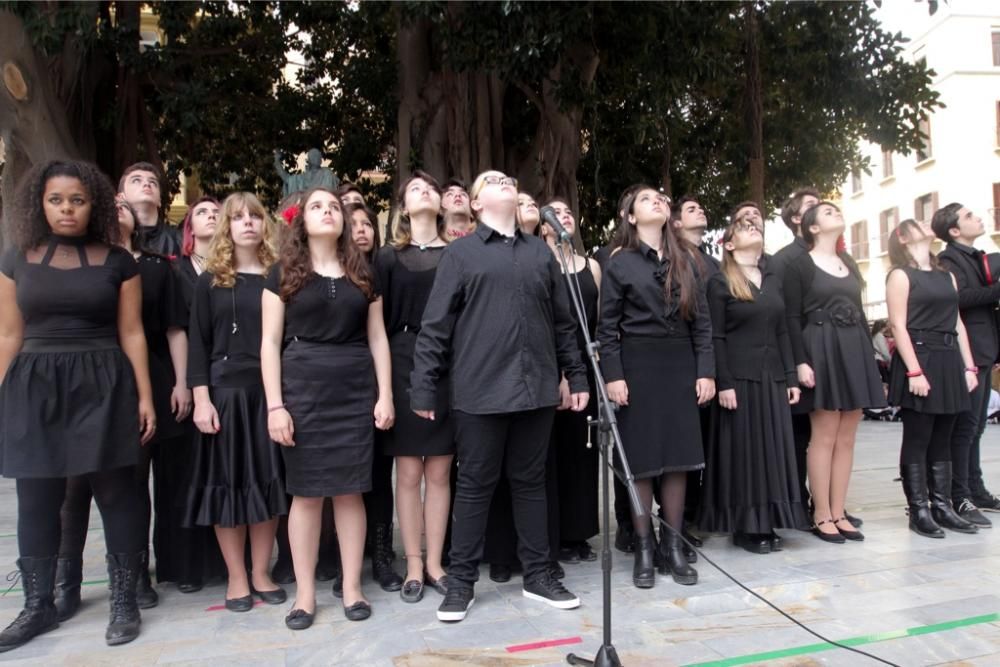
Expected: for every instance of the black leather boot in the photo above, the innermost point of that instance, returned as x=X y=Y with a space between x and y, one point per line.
x=674 y=562
x=124 y=619
x=69 y=576
x=382 y=557
x=644 y=569
x=39 y=615
x=939 y=485
x=145 y=595
x=914 y=476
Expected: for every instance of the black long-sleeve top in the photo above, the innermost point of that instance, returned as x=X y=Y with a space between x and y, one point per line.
x=633 y=304
x=781 y=259
x=499 y=313
x=225 y=326
x=750 y=337
x=977 y=300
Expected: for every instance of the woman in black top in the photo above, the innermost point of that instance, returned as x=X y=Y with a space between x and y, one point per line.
x=835 y=361
x=750 y=486
x=423 y=449
x=322 y=331
x=197 y=231
x=528 y=218
x=656 y=355
x=238 y=483
x=930 y=375
x=364 y=229
x=76 y=397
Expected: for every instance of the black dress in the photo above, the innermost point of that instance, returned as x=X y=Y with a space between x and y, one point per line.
x=68 y=403
x=828 y=331
x=751 y=480
x=238 y=476
x=328 y=387
x=406 y=277
x=931 y=314
x=660 y=355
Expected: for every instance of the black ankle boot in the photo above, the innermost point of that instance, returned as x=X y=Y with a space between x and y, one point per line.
x=382 y=557
x=939 y=483
x=39 y=614
x=145 y=595
x=644 y=570
x=674 y=562
x=914 y=476
x=69 y=576
x=124 y=619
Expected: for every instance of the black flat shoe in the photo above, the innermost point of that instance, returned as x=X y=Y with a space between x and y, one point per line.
x=338 y=586
x=776 y=542
x=569 y=554
x=853 y=535
x=500 y=573
x=440 y=584
x=692 y=538
x=277 y=596
x=587 y=553
x=835 y=538
x=298 y=619
x=412 y=591
x=189 y=588
x=755 y=544
x=358 y=611
x=244 y=603
x=283 y=572
x=854 y=520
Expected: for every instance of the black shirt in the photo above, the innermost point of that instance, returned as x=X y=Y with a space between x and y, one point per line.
x=750 y=337
x=932 y=302
x=163 y=304
x=633 y=304
x=162 y=239
x=225 y=326
x=325 y=310
x=499 y=310
x=407 y=277
x=781 y=259
x=69 y=288
x=977 y=300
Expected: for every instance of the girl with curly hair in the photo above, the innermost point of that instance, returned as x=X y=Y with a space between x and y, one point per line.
x=325 y=363
x=75 y=398
x=238 y=481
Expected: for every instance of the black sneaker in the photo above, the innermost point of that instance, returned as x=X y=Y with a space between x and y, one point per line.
x=987 y=502
x=550 y=591
x=456 y=604
x=968 y=511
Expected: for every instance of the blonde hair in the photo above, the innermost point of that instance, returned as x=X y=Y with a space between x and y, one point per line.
x=221 y=262
x=739 y=284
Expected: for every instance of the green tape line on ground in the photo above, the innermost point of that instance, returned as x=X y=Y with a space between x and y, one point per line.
x=853 y=641
x=95 y=582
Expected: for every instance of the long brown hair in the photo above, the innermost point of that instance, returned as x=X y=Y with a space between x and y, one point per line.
x=296 y=262
x=899 y=253
x=401 y=232
x=739 y=284
x=680 y=272
x=221 y=261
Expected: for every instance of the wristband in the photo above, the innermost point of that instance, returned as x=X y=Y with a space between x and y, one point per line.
x=914 y=374
x=277 y=407
x=972 y=370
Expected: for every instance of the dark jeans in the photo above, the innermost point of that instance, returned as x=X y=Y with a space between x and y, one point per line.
x=118 y=499
x=967 y=476
x=926 y=438
x=483 y=442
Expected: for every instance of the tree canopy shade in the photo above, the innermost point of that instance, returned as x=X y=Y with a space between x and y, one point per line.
x=577 y=99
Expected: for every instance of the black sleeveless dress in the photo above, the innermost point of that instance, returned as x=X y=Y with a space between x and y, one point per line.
x=406 y=277
x=68 y=402
x=931 y=314
x=328 y=386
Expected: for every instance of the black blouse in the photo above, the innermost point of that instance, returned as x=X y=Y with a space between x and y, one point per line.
x=225 y=325
x=750 y=337
x=187 y=279
x=633 y=304
x=406 y=275
x=163 y=305
x=325 y=310
x=76 y=302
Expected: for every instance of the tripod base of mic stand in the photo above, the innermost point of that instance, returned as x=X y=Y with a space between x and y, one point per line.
x=606 y=657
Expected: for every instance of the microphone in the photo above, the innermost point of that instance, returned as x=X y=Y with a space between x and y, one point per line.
x=550 y=218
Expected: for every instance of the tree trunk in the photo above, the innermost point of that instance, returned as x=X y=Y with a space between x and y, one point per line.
x=754 y=108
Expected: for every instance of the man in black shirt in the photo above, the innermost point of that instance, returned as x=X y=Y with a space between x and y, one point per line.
x=140 y=187
x=498 y=318
x=978 y=294
x=688 y=218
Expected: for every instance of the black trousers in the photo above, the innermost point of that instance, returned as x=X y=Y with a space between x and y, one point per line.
x=802 y=432
x=926 y=438
x=967 y=475
x=39 y=501
x=483 y=442
x=379 y=501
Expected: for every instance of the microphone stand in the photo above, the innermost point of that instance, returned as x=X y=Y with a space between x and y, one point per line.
x=608 y=441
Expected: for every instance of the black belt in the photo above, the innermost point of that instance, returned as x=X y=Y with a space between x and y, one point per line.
x=928 y=337
x=69 y=344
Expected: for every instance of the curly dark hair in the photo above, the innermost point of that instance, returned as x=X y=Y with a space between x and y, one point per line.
x=296 y=263
x=28 y=227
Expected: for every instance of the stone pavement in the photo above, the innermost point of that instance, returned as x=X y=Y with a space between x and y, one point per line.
x=893 y=582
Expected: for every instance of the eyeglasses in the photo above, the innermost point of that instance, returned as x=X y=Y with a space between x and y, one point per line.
x=499 y=180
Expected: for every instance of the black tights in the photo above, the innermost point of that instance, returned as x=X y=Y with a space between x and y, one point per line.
x=673 y=486
x=926 y=438
x=40 y=500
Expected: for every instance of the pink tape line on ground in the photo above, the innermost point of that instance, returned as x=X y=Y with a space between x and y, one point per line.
x=546 y=644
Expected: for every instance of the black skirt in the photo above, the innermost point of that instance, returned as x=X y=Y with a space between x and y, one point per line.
x=329 y=390
x=945 y=371
x=67 y=408
x=412 y=435
x=238 y=476
x=843 y=361
x=660 y=427
x=750 y=484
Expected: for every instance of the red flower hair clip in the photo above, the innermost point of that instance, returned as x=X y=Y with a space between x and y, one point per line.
x=289 y=214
